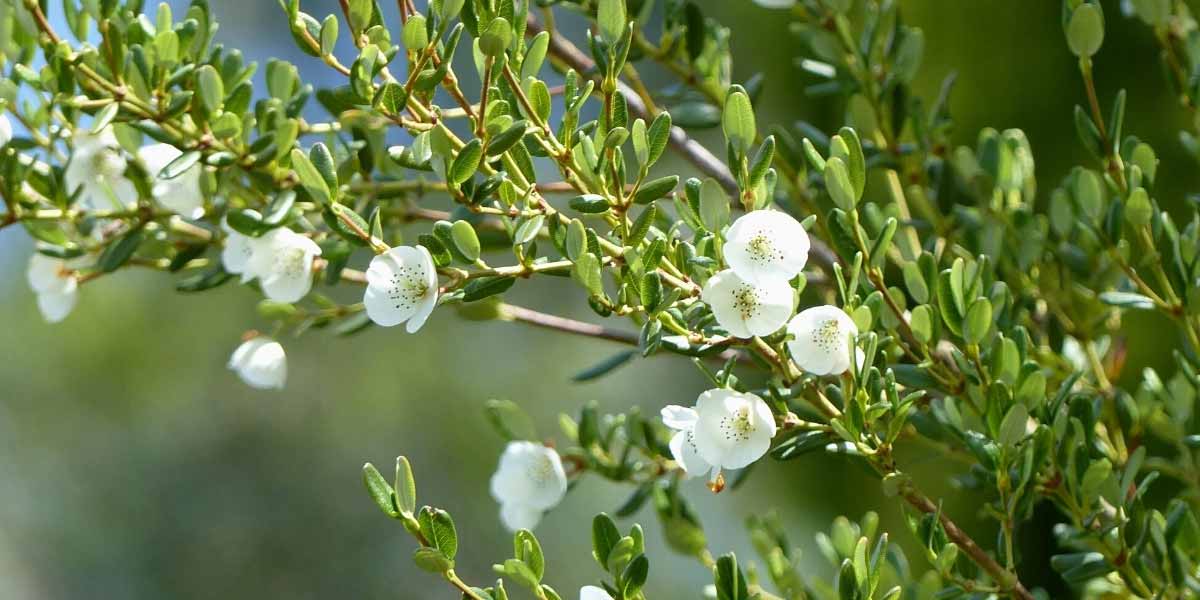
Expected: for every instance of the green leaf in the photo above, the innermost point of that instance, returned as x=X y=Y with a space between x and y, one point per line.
x=105 y=116
x=535 y=55
x=510 y=421
x=390 y=99
x=856 y=166
x=405 y=487
x=527 y=550
x=1012 y=428
x=604 y=367
x=657 y=137
x=730 y=583
x=506 y=139
x=466 y=240
x=210 y=87
x=329 y=34
x=634 y=575
x=641 y=226
x=921 y=323
x=696 y=114
x=451 y=8
x=737 y=121
x=589 y=204
x=467 y=162
x=1127 y=300
x=762 y=161
x=310 y=177
x=441 y=532
x=655 y=189
x=1138 y=209
x=837 y=182
x=978 y=321
x=1085 y=31
x=119 y=252
x=414 y=35
x=610 y=15
x=484 y=287
x=714 y=205
x=495 y=40
x=651 y=290
x=576 y=239
x=587 y=272
x=605 y=536
x=380 y=490
x=432 y=560
x=359 y=13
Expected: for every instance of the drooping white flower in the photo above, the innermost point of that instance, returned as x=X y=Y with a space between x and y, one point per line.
x=591 y=592
x=746 y=309
x=235 y=256
x=261 y=363
x=683 y=444
x=180 y=194
x=56 y=286
x=282 y=260
x=97 y=170
x=822 y=340
x=529 y=481
x=775 y=3
x=6 y=130
x=765 y=245
x=402 y=286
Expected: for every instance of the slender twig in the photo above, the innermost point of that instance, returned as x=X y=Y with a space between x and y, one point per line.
x=1002 y=576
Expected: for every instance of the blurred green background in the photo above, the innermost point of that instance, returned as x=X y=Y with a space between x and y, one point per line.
x=134 y=465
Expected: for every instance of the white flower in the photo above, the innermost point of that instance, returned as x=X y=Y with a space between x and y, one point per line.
x=97 y=170
x=5 y=130
x=282 y=260
x=733 y=429
x=775 y=3
x=402 y=286
x=765 y=245
x=822 y=340
x=726 y=430
x=235 y=256
x=591 y=592
x=683 y=444
x=745 y=309
x=261 y=363
x=180 y=194
x=529 y=481
x=56 y=286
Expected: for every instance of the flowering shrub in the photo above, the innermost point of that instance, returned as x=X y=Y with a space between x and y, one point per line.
x=850 y=292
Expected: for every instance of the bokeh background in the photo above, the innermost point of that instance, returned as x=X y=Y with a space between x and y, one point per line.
x=134 y=465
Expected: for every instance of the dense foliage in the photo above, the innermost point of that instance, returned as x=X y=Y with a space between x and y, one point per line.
x=943 y=303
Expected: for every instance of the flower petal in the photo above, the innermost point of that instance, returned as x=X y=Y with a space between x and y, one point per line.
x=591 y=592
x=519 y=516
x=679 y=417
x=55 y=306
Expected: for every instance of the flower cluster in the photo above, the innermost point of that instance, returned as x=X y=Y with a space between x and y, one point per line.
x=765 y=250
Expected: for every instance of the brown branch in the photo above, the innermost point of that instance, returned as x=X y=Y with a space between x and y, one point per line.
x=547 y=321
x=1002 y=576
